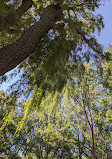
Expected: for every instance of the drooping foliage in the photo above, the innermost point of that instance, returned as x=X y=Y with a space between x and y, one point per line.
x=53 y=52
x=68 y=82
x=67 y=124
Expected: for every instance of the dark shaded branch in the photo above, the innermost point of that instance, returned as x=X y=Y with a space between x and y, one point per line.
x=98 y=50
x=13 y=54
x=95 y=47
x=26 y=4
x=87 y=155
x=11 y=19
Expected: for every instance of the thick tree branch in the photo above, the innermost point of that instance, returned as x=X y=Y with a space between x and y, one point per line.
x=11 y=19
x=13 y=54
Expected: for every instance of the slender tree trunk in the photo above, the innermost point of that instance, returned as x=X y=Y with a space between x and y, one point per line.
x=93 y=144
x=92 y=133
x=90 y=122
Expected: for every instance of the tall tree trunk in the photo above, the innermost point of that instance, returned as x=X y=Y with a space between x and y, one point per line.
x=13 y=54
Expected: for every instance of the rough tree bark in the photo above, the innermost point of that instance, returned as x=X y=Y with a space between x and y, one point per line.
x=13 y=54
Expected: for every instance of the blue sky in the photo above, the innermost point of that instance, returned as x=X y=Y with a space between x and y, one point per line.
x=104 y=38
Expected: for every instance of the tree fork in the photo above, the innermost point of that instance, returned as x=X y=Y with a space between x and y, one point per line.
x=11 y=19
x=13 y=54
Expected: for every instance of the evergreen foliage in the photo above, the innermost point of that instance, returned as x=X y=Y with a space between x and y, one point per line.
x=66 y=85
